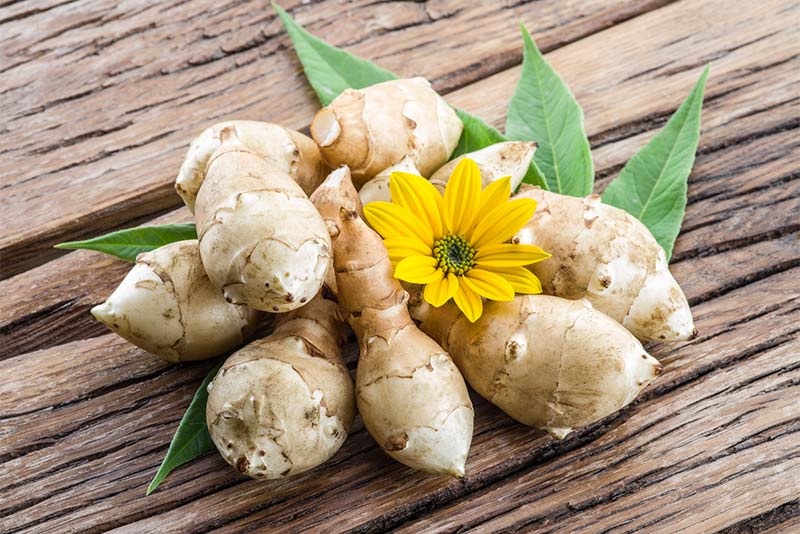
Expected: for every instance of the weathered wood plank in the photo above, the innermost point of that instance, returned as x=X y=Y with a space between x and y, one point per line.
x=718 y=427
x=719 y=185
x=86 y=106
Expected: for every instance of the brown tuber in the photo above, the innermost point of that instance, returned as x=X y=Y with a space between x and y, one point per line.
x=411 y=396
x=284 y=404
x=373 y=128
x=329 y=199
x=261 y=240
x=548 y=362
x=607 y=256
x=167 y=305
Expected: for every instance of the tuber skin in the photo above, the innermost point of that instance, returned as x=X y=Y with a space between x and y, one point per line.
x=510 y=158
x=548 y=362
x=287 y=150
x=411 y=396
x=377 y=189
x=262 y=242
x=284 y=404
x=335 y=193
x=167 y=305
x=607 y=256
x=373 y=128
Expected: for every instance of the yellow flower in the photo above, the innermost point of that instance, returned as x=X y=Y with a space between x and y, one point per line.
x=457 y=245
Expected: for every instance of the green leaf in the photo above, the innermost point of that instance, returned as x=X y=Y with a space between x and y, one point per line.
x=477 y=135
x=652 y=185
x=330 y=70
x=129 y=243
x=544 y=110
x=192 y=439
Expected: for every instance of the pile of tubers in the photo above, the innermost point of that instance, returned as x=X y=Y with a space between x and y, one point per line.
x=281 y=231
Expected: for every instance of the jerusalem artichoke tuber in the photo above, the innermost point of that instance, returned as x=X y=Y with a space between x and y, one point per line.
x=377 y=189
x=607 y=256
x=261 y=240
x=168 y=306
x=411 y=396
x=373 y=128
x=284 y=404
x=510 y=158
x=287 y=150
x=547 y=362
x=329 y=199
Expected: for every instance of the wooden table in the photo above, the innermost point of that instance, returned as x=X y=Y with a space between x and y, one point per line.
x=99 y=100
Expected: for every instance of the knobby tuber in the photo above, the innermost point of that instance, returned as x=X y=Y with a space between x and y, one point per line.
x=411 y=396
x=261 y=240
x=289 y=151
x=607 y=256
x=329 y=199
x=284 y=404
x=167 y=305
x=510 y=158
x=548 y=362
x=373 y=128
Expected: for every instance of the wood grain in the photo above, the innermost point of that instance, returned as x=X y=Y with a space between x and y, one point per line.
x=102 y=98
x=711 y=446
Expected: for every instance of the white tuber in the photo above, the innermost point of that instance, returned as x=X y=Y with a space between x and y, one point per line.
x=167 y=305
x=261 y=240
x=373 y=128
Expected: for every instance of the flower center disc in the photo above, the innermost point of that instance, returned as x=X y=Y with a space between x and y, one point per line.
x=453 y=254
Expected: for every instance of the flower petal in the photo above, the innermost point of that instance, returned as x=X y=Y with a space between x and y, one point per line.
x=501 y=223
x=418 y=270
x=488 y=284
x=521 y=279
x=509 y=255
x=468 y=302
x=496 y=194
x=437 y=293
x=461 y=197
x=392 y=220
x=418 y=196
x=402 y=247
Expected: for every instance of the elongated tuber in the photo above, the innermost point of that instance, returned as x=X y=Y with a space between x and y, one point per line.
x=377 y=189
x=287 y=150
x=284 y=404
x=373 y=128
x=510 y=158
x=329 y=199
x=411 y=396
x=261 y=240
x=167 y=305
x=547 y=362
x=607 y=256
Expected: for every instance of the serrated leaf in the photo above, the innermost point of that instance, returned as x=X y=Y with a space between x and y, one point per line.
x=544 y=110
x=129 y=243
x=331 y=70
x=192 y=439
x=652 y=186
